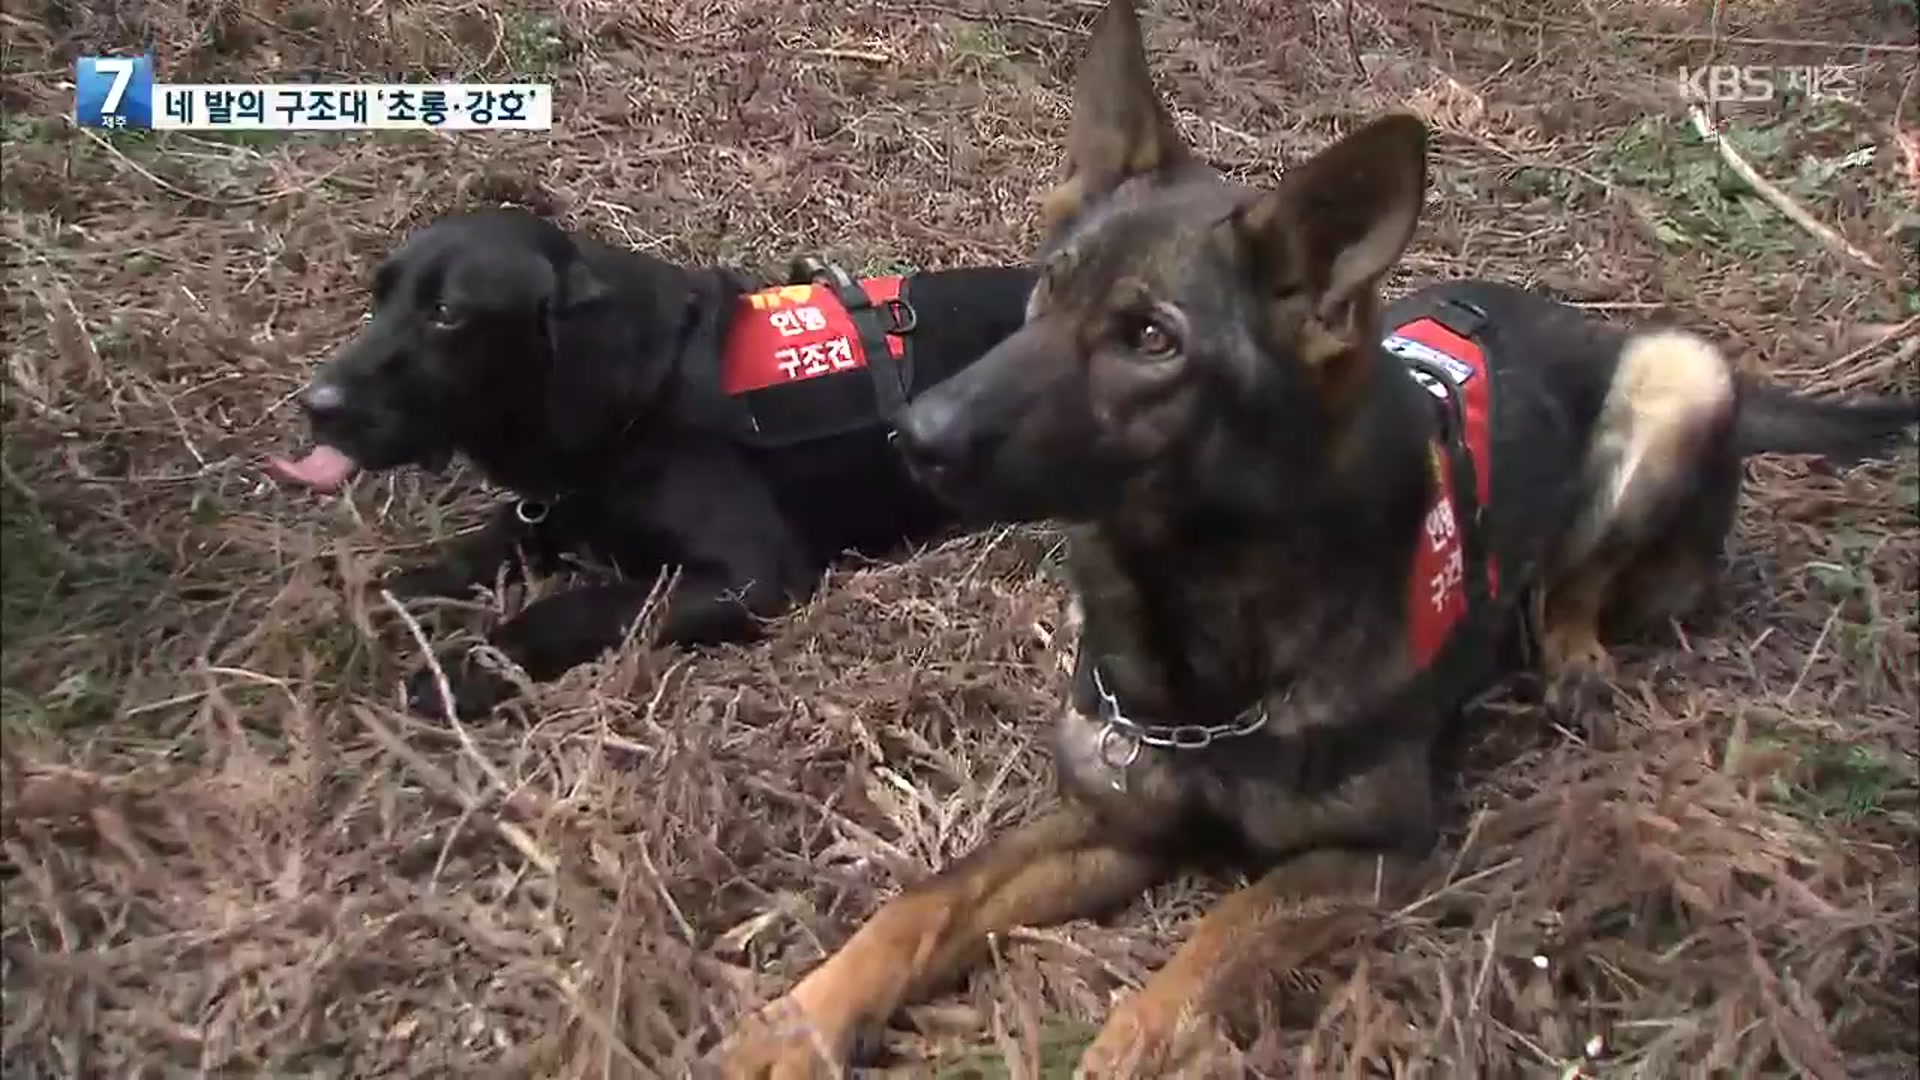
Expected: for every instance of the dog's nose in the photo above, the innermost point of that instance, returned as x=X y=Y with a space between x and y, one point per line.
x=323 y=399
x=933 y=436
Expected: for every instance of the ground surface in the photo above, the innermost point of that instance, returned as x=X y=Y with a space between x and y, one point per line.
x=226 y=850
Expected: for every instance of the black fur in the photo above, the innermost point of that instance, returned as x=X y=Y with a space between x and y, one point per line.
x=585 y=377
x=1774 y=420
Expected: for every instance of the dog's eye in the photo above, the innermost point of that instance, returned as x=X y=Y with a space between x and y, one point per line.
x=443 y=316
x=1150 y=338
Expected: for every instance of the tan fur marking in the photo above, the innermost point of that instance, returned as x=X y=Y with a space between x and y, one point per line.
x=1361 y=263
x=1120 y=128
x=1338 y=364
x=1298 y=907
x=1669 y=387
x=1060 y=204
x=1316 y=345
x=1127 y=292
x=1152 y=151
x=1570 y=613
x=1038 y=298
x=1048 y=871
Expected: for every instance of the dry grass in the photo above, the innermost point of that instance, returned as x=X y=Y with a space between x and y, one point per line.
x=227 y=851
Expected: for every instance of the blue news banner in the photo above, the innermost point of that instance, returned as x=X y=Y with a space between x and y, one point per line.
x=119 y=93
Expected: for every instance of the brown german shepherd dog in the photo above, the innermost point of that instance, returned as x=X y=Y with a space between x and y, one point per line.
x=1305 y=527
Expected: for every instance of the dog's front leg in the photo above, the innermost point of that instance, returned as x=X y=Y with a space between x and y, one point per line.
x=469 y=561
x=1354 y=838
x=711 y=608
x=1282 y=920
x=1059 y=867
x=560 y=632
x=545 y=640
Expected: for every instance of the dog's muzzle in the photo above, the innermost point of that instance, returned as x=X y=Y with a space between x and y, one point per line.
x=938 y=445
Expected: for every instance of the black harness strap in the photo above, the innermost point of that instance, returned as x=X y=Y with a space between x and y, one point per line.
x=1467 y=321
x=889 y=382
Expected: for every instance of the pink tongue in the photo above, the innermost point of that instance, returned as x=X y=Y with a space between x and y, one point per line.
x=323 y=469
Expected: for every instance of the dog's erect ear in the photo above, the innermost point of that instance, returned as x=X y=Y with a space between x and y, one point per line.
x=1121 y=128
x=1337 y=223
x=1333 y=228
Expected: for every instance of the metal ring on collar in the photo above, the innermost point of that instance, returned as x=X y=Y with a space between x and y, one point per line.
x=1113 y=733
x=531 y=512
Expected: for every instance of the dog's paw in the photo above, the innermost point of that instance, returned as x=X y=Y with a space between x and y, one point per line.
x=1134 y=1041
x=476 y=689
x=1583 y=700
x=780 y=1042
x=1154 y=1036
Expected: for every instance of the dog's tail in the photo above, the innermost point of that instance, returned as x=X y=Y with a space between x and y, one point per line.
x=1775 y=420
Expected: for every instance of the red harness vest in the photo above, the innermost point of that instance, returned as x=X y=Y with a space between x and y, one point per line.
x=1453 y=368
x=793 y=333
x=815 y=361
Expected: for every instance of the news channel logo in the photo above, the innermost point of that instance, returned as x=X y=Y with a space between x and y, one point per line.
x=1755 y=83
x=119 y=93
x=113 y=92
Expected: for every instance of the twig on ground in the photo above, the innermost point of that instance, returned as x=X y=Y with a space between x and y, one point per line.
x=862 y=55
x=1712 y=106
x=1776 y=198
x=1353 y=41
x=447 y=711
x=1846 y=372
x=1813 y=655
x=1908 y=142
x=445 y=786
x=984 y=17
x=1453 y=886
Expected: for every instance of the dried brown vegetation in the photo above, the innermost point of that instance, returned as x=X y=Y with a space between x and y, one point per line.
x=226 y=850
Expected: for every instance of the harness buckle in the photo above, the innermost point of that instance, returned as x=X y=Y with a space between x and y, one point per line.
x=1460 y=316
x=806 y=269
x=531 y=511
x=901 y=318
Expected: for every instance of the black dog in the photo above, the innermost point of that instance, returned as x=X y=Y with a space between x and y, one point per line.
x=648 y=415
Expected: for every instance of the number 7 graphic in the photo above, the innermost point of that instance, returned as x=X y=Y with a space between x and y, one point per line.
x=121 y=68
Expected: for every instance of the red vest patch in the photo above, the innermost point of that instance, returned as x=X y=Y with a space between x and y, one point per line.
x=792 y=333
x=1436 y=593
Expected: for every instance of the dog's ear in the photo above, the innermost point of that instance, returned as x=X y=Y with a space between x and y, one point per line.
x=1120 y=128
x=1318 y=245
x=607 y=368
x=576 y=286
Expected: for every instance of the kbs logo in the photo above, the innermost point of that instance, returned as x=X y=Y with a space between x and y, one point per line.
x=1765 y=82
